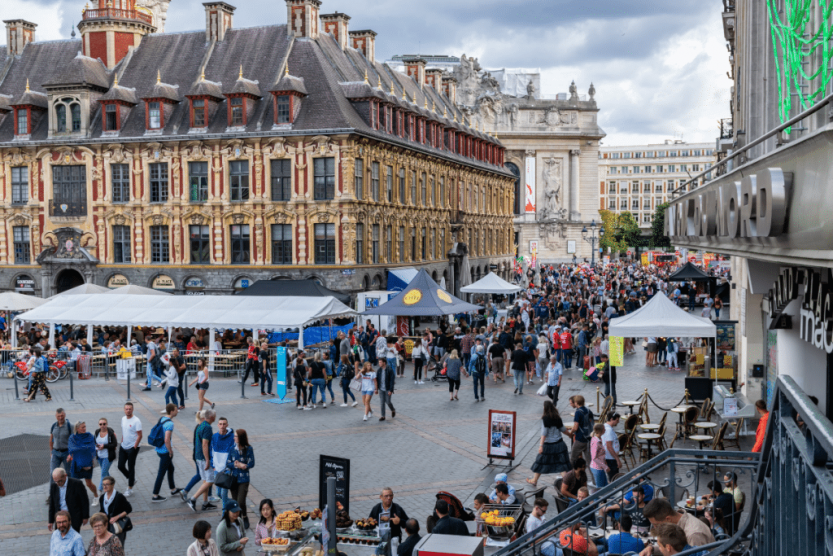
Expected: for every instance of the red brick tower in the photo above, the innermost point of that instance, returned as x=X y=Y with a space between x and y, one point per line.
x=112 y=27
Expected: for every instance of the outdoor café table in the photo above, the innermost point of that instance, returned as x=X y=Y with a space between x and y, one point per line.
x=631 y=404
x=649 y=437
x=680 y=410
x=705 y=425
x=650 y=427
x=695 y=509
x=701 y=438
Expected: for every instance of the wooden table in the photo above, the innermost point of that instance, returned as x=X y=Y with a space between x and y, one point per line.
x=631 y=404
x=649 y=437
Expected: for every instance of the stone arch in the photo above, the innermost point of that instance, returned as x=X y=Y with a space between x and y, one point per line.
x=316 y=278
x=377 y=283
x=366 y=283
x=434 y=276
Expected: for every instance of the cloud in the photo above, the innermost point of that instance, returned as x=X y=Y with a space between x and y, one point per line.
x=659 y=67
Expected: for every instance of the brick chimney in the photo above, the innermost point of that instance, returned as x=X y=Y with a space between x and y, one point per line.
x=337 y=25
x=450 y=87
x=302 y=17
x=219 y=17
x=434 y=77
x=19 y=33
x=364 y=42
x=415 y=67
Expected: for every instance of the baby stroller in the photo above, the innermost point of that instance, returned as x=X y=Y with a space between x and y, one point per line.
x=437 y=366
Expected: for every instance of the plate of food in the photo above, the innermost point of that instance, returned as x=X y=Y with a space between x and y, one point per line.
x=368 y=524
x=272 y=544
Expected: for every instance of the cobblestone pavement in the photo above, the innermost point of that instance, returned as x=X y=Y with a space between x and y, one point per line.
x=432 y=444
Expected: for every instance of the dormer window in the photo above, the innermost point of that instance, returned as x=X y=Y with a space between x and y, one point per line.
x=237 y=106
x=111 y=117
x=198 y=113
x=67 y=107
x=155 y=115
x=284 y=109
x=383 y=121
x=22 y=121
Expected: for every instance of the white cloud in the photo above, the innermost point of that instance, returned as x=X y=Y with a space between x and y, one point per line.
x=47 y=15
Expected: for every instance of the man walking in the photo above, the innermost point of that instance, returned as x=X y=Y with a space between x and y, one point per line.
x=152 y=361
x=582 y=429
x=251 y=362
x=477 y=369
x=131 y=437
x=386 y=378
x=68 y=495
x=496 y=359
x=166 y=455
x=65 y=540
x=221 y=444
x=609 y=377
x=202 y=457
x=554 y=373
x=59 y=441
x=178 y=363
x=519 y=360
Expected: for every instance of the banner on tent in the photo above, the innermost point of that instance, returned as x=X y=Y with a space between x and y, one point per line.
x=312 y=335
x=617 y=351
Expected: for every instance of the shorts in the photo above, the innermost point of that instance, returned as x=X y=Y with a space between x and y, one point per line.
x=203 y=386
x=368 y=392
x=206 y=475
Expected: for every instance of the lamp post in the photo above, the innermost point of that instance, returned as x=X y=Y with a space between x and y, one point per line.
x=591 y=239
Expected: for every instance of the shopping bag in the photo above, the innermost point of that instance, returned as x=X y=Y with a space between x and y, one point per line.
x=356 y=384
x=542 y=391
x=586 y=362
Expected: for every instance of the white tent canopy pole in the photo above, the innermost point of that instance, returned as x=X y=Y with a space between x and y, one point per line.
x=52 y=335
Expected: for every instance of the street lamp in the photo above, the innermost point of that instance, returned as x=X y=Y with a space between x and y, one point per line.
x=592 y=239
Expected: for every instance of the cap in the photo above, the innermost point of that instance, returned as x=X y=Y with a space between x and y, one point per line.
x=232 y=506
x=501 y=478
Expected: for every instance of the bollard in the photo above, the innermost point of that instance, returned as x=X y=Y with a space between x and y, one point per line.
x=185 y=384
x=128 y=383
x=598 y=407
x=242 y=387
x=107 y=369
x=16 y=392
x=71 y=389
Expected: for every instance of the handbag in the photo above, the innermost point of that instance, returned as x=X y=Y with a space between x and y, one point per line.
x=355 y=385
x=645 y=343
x=121 y=526
x=225 y=480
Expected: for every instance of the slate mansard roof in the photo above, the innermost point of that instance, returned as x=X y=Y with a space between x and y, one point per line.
x=331 y=82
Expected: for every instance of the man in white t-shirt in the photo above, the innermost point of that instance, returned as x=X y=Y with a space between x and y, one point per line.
x=131 y=437
x=536 y=518
x=611 y=444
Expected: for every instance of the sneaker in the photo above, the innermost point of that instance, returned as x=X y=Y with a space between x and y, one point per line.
x=343 y=405
x=483 y=399
x=94 y=503
x=323 y=406
x=421 y=382
x=308 y=408
x=158 y=498
x=371 y=413
x=128 y=492
x=239 y=381
x=213 y=499
x=355 y=404
x=520 y=393
x=245 y=523
x=365 y=418
x=381 y=418
x=415 y=382
x=299 y=407
x=516 y=391
x=163 y=412
x=255 y=384
x=191 y=504
x=176 y=491
x=208 y=506
x=263 y=393
x=393 y=413
x=332 y=402
x=146 y=389
x=476 y=400
x=184 y=496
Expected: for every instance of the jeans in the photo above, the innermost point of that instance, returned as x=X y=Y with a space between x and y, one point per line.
x=672 y=360
x=224 y=496
x=264 y=376
x=318 y=384
x=384 y=399
x=195 y=479
x=330 y=388
x=152 y=376
x=371 y=354
x=716 y=313
x=549 y=549
x=568 y=358
x=392 y=364
x=170 y=394
x=127 y=464
x=610 y=390
x=613 y=468
x=466 y=360
x=59 y=459
x=519 y=377
x=104 y=463
x=599 y=477
x=477 y=377
x=345 y=389
x=166 y=466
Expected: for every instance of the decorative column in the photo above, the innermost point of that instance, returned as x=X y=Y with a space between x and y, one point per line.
x=574 y=177
x=530 y=192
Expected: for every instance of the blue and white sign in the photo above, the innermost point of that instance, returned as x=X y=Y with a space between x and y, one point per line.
x=371 y=302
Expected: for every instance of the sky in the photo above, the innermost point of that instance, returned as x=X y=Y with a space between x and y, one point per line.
x=659 y=67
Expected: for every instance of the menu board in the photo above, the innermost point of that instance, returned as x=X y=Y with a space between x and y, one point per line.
x=725 y=335
x=502 y=434
x=339 y=468
x=617 y=351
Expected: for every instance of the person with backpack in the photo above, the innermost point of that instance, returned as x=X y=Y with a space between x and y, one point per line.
x=582 y=429
x=160 y=439
x=152 y=355
x=478 y=369
x=347 y=372
x=38 y=375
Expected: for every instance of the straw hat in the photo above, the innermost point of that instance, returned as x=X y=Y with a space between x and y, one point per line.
x=159 y=331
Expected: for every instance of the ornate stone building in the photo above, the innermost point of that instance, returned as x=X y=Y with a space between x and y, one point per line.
x=199 y=162
x=553 y=150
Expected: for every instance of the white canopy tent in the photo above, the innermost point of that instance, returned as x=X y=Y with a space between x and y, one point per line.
x=132 y=289
x=212 y=312
x=14 y=302
x=661 y=317
x=491 y=283
x=82 y=289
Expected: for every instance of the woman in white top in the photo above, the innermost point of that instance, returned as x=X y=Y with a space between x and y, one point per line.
x=418 y=356
x=202 y=383
x=369 y=387
x=105 y=450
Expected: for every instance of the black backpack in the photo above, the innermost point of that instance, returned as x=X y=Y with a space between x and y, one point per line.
x=480 y=364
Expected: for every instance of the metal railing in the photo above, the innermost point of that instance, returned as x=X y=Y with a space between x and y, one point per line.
x=768 y=135
x=115 y=13
x=675 y=474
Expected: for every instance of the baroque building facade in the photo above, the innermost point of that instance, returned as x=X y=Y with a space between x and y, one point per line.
x=552 y=148
x=283 y=151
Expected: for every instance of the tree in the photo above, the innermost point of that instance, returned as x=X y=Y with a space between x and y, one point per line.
x=658 y=237
x=610 y=239
x=628 y=230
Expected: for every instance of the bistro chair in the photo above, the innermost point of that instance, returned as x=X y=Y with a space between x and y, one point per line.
x=631 y=423
x=717 y=444
x=705 y=410
x=625 y=448
x=735 y=438
x=530 y=497
x=689 y=418
x=661 y=445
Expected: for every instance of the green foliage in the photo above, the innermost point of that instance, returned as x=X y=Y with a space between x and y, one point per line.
x=628 y=230
x=658 y=238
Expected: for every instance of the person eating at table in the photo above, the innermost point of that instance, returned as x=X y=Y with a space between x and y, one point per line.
x=572 y=481
x=504 y=497
x=723 y=500
x=659 y=512
x=501 y=478
x=623 y=541
x=574 y=538
x=634 y=510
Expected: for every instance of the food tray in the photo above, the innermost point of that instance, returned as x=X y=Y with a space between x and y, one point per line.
x=277 y=548
x=502 y=512
x=357 y=539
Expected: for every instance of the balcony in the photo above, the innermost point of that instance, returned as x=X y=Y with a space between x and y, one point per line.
x=69 y=209
x=114 y=13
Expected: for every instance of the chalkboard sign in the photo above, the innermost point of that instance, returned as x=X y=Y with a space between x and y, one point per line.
x=339 y=468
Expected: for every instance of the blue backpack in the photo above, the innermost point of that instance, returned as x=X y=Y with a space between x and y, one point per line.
x=156 y=437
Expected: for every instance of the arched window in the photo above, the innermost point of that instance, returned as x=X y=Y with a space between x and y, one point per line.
x=75 y=111
x=61 y=118
x=519 y=192
x=67 y=115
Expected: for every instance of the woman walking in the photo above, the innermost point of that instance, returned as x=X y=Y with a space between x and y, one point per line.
x=105 y=443
x=347 y=372
x=418 y=356
x=202 y=383
x=103 y=543
x=116 y=507
x=369 y=387
x=452 y=373
x=300 y=378
x=317 y=378
x=266 y=526
x=553 y=456
x=37 y=375
x=81 y=454
x=598 y=467
x=240 y=460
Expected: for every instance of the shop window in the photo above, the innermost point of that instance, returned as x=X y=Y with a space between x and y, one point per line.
x=121 y=244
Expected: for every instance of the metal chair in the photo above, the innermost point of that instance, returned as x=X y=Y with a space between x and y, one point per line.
x=717 y=443
x=705 y=410
x=735 y=439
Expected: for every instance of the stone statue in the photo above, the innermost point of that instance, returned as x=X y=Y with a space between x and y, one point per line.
x=159 y=9
x=513 y=116
x=552 y=190
x=573 y=91
x=530 y=90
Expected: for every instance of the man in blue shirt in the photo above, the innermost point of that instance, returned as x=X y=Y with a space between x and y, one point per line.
x=65 y=540
x=166 y=456
x=623 y=541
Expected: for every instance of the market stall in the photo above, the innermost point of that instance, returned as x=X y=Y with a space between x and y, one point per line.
x=690 y=273
x=660 y=317
x=492 y=283
x=13 y=302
